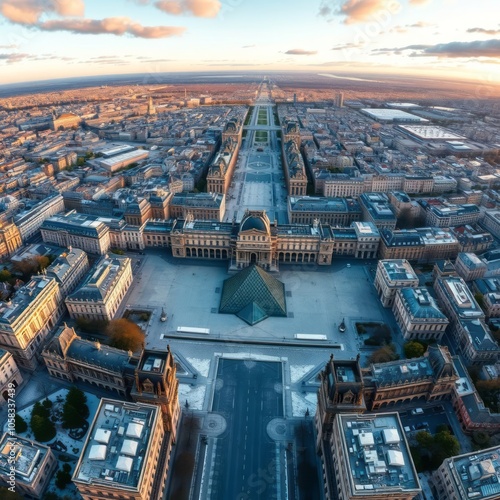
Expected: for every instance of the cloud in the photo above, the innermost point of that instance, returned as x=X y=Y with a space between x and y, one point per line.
x=198 y=8
x=301 y=52
x=350 y=45
x=419 y=2
x=485 y=31
x=478 y=48
x=247 y=46
x=13 y=58
x=399 y=50
x=19 y=57
x=357 y=11
x=420 y=24
x=111 y=25
x=70 y=12
x=30 y=11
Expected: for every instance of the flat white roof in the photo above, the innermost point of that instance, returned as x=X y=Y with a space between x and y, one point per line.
x=391 y=436
x=431 y=132
x=97 y=452
x=134 y=430
x=129 y=447
x=392 y=114
x=395 y=458
x=102 y=436
x=366 y=439
x=124 y=463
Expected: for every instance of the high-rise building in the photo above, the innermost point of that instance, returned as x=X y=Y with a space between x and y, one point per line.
x=151 y=108
x=339 y=100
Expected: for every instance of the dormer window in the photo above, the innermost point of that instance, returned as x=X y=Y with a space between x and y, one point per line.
x=147 y=386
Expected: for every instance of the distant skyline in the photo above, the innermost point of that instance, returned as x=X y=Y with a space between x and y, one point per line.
x=43 y=39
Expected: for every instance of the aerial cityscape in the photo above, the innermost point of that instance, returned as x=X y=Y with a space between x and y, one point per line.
x=249 y=252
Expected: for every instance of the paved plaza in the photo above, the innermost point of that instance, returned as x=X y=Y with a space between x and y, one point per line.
x=318 y=298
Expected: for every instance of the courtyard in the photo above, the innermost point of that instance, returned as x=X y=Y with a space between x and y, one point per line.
x=318 y=298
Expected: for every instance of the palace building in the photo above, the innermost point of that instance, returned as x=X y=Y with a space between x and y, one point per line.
x=256 y=241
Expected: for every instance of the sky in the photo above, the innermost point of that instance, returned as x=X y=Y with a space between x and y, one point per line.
x=45 y=39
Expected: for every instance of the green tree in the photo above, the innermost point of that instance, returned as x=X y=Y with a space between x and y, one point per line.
x=71 y=418
x=445 y=445
x=481 y=439
x=414 y=349
x=47 y=403
x=125 y=334
x=43 y=429
x=20 y=424
x=75 y=409
x=63 y=477
x=424 y=439
x=40 y=410
x=78 y=399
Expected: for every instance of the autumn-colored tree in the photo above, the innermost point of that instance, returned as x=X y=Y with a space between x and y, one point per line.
x=5 y=275
x=125 y=334
x=384 y=354
x=32 y=265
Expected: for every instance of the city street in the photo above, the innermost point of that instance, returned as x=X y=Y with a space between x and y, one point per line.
x=249 y=395
x=258 y=182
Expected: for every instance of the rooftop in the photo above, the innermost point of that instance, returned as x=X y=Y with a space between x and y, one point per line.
x=477 y=474
x=101 y=279
x=436 y=236
x=64 y=263
x=28 y=457
x=378 y=205
x=384 y=114
x=480 y=335
x=471 y=260
x=323 y=204
x=421 y=304
x=460 y=297
x=398 y=270
x=211 y=200
x=138 y=154
x=430 y=132
x=74 y=223
x=117 y=445
x=378 y=455
x=10 y=311
x=402 y=371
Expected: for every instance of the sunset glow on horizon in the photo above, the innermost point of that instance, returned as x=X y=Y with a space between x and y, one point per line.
x=45 y=39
